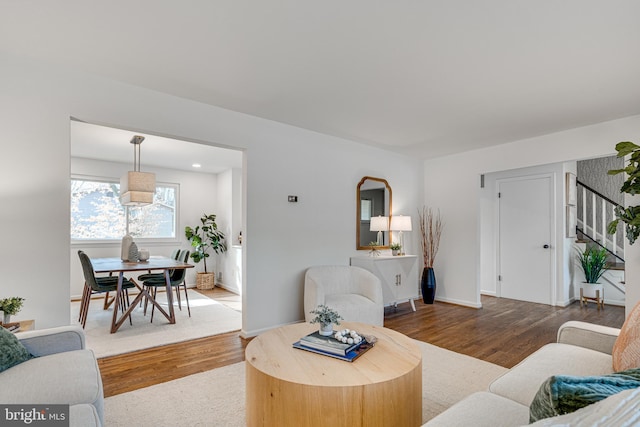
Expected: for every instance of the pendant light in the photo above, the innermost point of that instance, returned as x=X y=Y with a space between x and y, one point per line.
x=137 y=188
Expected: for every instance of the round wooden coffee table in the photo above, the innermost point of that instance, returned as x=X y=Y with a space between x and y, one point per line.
x=291 y=387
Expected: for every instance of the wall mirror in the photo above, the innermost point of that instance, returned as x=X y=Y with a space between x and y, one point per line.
x=373 y=199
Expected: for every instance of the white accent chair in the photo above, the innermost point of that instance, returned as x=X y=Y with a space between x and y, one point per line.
x=355 y=293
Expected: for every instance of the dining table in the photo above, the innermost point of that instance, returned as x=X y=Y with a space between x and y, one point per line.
x=119 y=267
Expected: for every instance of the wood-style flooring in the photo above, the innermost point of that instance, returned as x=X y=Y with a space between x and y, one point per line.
x=503 y=332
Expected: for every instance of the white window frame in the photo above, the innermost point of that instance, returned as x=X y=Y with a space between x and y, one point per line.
x=148 y=240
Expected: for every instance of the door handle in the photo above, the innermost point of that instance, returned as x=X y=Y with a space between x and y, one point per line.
x=546 y=246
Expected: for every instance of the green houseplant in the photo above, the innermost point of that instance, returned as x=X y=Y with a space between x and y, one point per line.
x=205 y=238
x=10 y=306
x=629 y=215
x=395 y=248
x=593 y=262
x=326 y=317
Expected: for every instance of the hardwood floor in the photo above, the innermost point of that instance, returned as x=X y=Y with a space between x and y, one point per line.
x=503 y=332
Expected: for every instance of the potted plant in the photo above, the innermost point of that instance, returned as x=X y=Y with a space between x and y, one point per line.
x=10 y=306
x=326 y=317
x=204 y=238
x=630 y=215
x=593 y=262
x=430 y=230
x=395 y=248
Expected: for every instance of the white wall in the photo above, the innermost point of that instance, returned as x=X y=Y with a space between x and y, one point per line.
x=229 y=265
x=458 y=264
x=281 y=239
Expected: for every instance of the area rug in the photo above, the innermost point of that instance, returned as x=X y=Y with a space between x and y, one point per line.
x=208 y=317
x=217 y=397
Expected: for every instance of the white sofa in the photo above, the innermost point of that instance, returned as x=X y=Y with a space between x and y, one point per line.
x=355 y=293
x=63 y=372
x=582 y=349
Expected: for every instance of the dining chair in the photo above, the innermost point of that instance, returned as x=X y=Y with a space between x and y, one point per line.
x=176 y=279
x=150 y=275
x=98 y=285
x=159 y=276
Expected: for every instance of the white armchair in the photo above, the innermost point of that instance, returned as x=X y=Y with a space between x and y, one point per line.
x=353 y=292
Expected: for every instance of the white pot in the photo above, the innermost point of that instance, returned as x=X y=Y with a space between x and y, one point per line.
x=589 y=289
x=326 y=330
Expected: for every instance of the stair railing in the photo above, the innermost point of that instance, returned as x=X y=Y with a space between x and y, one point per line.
x=595 y=211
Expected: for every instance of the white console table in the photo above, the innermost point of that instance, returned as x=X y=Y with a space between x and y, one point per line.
x=398 y=274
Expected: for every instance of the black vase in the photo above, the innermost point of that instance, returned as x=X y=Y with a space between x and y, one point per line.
x=428 y=285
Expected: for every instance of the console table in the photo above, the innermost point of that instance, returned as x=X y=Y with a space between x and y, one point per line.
x=398 y=274
x=291 y=387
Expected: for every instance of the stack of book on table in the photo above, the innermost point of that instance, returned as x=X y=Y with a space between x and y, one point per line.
x=13 y=327
x=329 y=346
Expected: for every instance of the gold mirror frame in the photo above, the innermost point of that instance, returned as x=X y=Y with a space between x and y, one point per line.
x=386 y=212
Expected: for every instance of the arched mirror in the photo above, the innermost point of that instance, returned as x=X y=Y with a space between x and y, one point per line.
x=373 y=199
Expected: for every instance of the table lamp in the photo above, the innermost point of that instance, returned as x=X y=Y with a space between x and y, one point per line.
x=401 y=223
x=379 y=224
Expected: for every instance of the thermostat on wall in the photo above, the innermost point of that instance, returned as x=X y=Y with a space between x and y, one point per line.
x=293 y=199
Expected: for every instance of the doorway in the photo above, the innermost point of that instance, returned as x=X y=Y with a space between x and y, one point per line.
x=103 y=153
x=525 y=269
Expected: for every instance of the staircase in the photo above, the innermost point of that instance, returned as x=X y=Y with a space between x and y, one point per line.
x=594 y=212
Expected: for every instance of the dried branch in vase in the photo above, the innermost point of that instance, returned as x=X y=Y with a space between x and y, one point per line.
x=431 y=230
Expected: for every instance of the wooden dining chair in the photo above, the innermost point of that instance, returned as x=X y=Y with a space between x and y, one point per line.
x=176 y=278
x=98 y=285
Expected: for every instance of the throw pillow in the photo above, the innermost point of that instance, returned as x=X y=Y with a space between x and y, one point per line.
x=562 y=394
x=12 y=351
x=626 y=350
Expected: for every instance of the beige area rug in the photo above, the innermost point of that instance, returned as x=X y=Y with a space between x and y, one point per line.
x=217 y=397
x=208 y=317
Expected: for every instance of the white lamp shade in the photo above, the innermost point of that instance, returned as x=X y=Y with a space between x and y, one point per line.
x=400 y=223
x=137 y=188
x=379 y=223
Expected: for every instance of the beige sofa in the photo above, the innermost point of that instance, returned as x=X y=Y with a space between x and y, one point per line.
x=64 y=372
x=582 y=349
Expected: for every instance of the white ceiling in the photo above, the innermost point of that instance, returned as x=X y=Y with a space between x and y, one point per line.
x=105 y=143
x=423 y=77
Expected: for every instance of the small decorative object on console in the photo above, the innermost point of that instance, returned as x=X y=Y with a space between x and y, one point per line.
x=374 y=249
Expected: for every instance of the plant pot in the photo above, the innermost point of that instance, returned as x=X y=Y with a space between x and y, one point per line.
x=326 y=330
x=395 y=252
x=589 y=289
x=6 y=318
x=205 y=280
x=428 y=285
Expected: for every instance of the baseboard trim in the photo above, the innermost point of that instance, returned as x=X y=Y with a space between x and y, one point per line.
x=459 y=302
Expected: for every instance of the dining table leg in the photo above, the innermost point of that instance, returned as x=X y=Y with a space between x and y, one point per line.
x=167 y=281
x=116 y=304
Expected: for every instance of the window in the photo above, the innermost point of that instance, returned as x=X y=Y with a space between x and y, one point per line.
x=96 y=212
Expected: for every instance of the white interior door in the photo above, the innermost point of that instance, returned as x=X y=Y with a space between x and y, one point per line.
x=525 y=250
